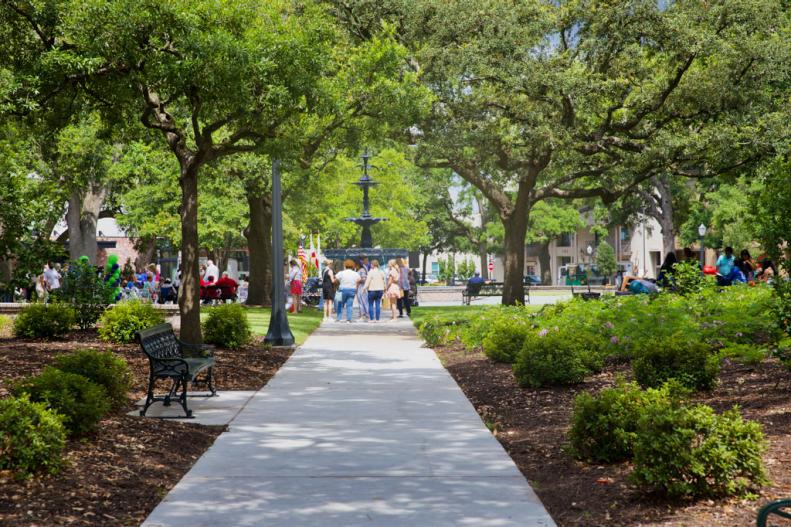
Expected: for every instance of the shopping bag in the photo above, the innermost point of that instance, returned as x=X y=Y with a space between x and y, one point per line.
x=386 y=302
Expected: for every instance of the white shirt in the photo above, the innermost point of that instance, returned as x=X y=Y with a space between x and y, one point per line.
x=295 y=274
x=212 y=270
x=348 y=279
x=52 y=277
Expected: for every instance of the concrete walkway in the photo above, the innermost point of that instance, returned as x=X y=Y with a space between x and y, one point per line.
x=362 y=426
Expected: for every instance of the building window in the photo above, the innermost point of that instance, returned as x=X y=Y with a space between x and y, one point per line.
x=625 y=234
x=564 y=240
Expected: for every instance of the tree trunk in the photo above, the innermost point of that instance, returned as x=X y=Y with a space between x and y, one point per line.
x=665 y=219
x=482 y=251
x=259 y=244
x=146 y=252
x=81 y=219
x=545 y=262
x=425 y=262
x=189 y=296
x=514 y=255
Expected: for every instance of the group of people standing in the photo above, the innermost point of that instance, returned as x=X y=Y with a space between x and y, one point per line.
x=373 y=287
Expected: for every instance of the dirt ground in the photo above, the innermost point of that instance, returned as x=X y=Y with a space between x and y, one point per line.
x=119 y=473
x=532 y=425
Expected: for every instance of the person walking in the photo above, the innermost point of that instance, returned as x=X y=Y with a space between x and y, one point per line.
x=362 y=293
x=403 y=283
x=348 y=279
x=328 y=288
x=42 y=292
x=295 y=286
x=393 y=290
x=375 y=285
x=52 y=276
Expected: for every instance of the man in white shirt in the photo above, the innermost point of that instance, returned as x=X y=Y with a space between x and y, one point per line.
x=52 y=276
x=211 y=270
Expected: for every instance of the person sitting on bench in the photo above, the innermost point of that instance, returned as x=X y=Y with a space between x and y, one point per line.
x=475 y=280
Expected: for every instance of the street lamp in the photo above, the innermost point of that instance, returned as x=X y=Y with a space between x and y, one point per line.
x=702 y=232
x=589 y=250
x=279 y=334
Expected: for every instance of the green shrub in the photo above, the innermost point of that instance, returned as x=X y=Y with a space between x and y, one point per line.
x=84 y=289
x=505 y=338
x=554 y=357
x=693 y=452
x=44 y=321
x=681 y=357
x=604 y=426
x=435 y=331
x=687 y=278
x=227 y=326
x=101 y=368
x=783 y=352
x=31 y=437
x=738 y=315
x=6 y=326
x=81 y=402
x=120 y=323
x=744 y=354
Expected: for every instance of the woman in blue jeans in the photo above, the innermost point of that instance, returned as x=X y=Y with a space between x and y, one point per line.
x=375 y=284
x=347 y=285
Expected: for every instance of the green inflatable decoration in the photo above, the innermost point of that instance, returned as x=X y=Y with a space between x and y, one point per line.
x=112 y=275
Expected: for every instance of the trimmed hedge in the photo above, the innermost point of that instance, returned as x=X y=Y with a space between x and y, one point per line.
x=227 y=326
x=44 y=321
x=81 y=402
x=689 y=361
x=693 y=452
x=32 y=437
x=554 y=357
x=120 y=323
x=101 y=368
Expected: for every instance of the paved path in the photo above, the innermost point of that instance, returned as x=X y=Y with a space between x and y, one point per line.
x=362 y=426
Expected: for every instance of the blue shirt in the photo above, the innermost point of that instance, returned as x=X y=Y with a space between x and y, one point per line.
x=475 y=280
x=725 y=265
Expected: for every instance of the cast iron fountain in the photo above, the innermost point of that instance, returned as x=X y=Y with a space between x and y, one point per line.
x=365 y=220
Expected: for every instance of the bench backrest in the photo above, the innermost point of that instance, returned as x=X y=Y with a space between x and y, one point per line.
x=474 y=289
x=159 y=342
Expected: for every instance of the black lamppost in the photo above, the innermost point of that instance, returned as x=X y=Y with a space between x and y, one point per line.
x=279 y=334
x=702 y=232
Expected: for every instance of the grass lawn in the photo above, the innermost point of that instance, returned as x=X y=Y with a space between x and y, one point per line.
x=301 y=325
x=420 y=313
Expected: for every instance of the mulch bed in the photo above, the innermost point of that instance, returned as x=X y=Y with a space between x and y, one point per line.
x=118 y=474
x=532 y=426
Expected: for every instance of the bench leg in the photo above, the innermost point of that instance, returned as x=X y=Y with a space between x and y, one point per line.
x=183 y=397
x=149 y=395
x=210 y=381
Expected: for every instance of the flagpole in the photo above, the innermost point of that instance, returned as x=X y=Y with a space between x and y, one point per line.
x=279 y=334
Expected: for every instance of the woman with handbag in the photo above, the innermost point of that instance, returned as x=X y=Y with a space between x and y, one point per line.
x=375 y=284
x=328 y=288
x=394 y=290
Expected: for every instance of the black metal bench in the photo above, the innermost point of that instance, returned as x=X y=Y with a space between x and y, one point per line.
x=490 y=289
x=774 y=508
x=170 y=358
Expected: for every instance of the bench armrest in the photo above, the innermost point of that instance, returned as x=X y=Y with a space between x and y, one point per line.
x=195 y=350
x=170 y=367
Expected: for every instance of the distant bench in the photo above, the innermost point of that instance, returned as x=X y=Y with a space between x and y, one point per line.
x=490 y=289
x=170 y=358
